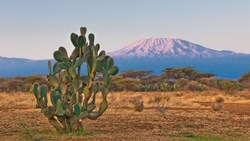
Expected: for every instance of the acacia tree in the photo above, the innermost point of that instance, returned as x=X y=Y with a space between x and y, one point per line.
x=186 y=72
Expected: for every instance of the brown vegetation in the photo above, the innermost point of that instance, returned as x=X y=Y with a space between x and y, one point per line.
x=245 y=80
x=138 y=103
x=20 y=84
x=187 y=116
x=203 y=108
x=172 y=79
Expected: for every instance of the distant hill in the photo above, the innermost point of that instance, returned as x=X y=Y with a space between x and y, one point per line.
x=151 y=54
x=11 y=67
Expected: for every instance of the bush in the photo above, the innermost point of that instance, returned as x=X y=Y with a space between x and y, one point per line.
x=138 y=103
x=181 y=83
x=118 y=83
x=210 y=82
x=20 y=84
x=196 y=86
x=245 y=80
x=217 y=104
x=229 y=86
x=219 y=99
x=156 y=87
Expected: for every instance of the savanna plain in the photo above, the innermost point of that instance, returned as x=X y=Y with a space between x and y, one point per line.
x=175 y=116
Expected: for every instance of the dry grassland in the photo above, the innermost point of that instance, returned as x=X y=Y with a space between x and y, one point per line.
x=187 y=117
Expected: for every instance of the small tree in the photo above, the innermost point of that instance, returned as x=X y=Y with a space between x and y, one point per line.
x=186 y=72
x=245 y=80
x=73 y=95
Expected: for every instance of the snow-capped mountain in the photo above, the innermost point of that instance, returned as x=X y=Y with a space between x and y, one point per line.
x=153 y=54
x=158 y=53
x=165 y=47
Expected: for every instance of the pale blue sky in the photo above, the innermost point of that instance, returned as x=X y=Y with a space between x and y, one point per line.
x=35 y=28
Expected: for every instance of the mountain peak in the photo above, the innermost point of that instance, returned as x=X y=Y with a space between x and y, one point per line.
x=165 y=47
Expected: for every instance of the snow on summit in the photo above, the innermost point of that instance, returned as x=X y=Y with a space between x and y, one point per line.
x=163 y=47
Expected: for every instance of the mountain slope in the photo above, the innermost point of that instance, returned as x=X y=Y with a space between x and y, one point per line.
x=165 y=47
x=157 y=54
x=11 y=67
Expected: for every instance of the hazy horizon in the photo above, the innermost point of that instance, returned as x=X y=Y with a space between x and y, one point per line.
x=34 y=29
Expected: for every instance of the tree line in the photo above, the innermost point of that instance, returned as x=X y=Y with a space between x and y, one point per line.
x=170 y=79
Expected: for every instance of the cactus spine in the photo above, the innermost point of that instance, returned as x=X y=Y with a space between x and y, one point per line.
x=73 y=95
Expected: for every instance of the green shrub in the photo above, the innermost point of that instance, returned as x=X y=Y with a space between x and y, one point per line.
x=156 y=87
x=119 y=83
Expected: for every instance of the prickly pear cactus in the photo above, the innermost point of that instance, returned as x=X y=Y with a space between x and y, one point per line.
x=73 y=95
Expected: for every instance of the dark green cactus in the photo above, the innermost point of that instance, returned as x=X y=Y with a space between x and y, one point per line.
x=73 y=95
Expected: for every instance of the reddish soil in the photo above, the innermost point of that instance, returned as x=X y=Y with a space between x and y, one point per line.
x=236 y=108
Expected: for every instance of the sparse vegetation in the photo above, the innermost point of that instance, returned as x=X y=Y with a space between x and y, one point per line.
x=121 y=122
x=138 y=103
x=21 y=84
x=229 y=86
x=144 y=81
x=217 y=104
x=188 y=134
x=195 y=86
x=161 y=107
x=29 y=134
x=172 y=79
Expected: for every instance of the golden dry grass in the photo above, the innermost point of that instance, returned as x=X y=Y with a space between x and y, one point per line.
x=17 y=100
x=176 y=99
x=185 y=117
